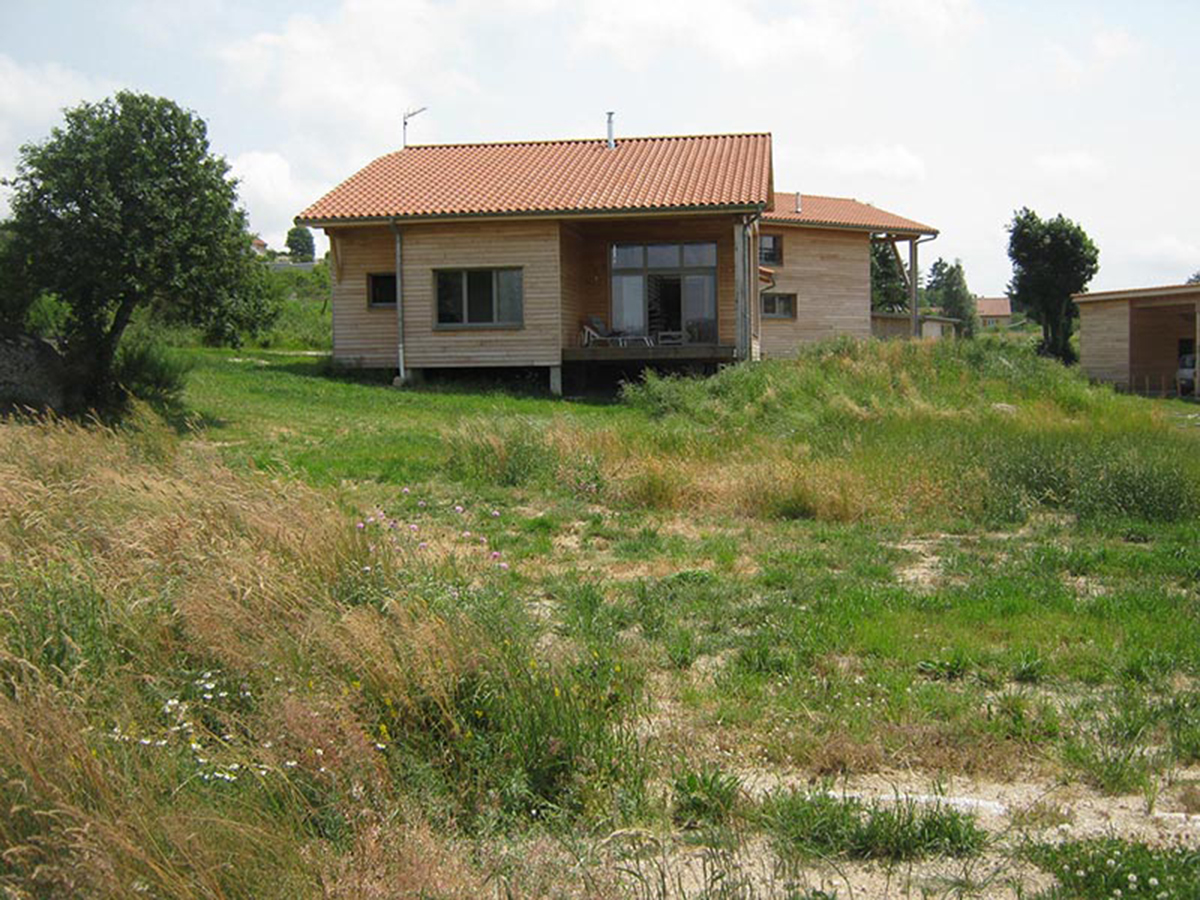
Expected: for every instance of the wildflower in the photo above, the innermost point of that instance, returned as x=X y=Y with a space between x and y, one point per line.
x=291 y=764
x=495 y=554
x=504 y=566
x=404 y=490
x=422 y=545
x=458 y=509
x=381 y=746
x=421 y=503
x=412 y=526
x=361 y=525
x=495 y=513
x=366 y=570
x=319 y=751
x=482 y=539
x=466 y=534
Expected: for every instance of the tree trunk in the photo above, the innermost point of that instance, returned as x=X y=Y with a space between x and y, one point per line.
x=101 y=390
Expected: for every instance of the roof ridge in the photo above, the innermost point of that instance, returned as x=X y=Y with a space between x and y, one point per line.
x=582 y=140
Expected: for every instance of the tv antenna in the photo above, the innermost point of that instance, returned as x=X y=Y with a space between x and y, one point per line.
x=408 y=115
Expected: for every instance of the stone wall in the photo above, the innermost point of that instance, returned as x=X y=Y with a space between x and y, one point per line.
x=32 y=375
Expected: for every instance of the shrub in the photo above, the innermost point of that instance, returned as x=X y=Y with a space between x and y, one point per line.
x=149 y=371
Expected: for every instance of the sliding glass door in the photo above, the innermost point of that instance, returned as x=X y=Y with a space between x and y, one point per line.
x=666 y=291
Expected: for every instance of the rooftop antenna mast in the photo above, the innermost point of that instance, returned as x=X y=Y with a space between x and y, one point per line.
x=408 y=115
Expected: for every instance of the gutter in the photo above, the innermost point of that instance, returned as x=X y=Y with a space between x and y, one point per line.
x=568 y=213
x=402 y=376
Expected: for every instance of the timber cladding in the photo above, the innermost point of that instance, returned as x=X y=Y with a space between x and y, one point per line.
x=363 y=335
x=830 y=273
x=1104 y=340
x=367 y=336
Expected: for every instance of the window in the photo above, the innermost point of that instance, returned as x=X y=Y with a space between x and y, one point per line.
x=381 y=289
x=770 y=248
x=467 y=297
x=779 y=306
x=667 y=291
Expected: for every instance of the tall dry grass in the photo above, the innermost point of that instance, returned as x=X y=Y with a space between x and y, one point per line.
x=930 y=435
x=212 y=684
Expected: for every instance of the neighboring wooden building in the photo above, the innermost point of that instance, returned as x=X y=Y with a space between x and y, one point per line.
x=1136 y=338
x=994 y=311
x=670 y=249
x=890 y=326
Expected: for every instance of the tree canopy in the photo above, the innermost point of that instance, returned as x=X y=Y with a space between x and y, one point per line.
x=1052 y=259
x=1194 y=279
x=300 y=244
x=889 y=290
x=124 y=207
x=946 y=288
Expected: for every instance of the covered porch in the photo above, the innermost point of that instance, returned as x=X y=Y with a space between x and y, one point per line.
x=657 y=289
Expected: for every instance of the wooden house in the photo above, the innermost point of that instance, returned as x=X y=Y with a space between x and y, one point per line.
x=553 y=253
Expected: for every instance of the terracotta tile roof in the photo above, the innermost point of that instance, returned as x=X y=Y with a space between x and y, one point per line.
x=555 y=176
x=839 y=212
x=993 y=306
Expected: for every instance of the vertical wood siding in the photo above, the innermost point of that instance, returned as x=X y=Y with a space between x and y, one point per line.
x=830 y=274
x=1104 y=340
x=531 y=246
x=363 y=335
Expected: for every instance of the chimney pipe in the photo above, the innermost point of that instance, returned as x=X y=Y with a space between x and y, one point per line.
x=797 y=201
x=611 y=143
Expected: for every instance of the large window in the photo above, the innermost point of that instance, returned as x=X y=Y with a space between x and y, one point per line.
x=770 y=249
x=779 y=306
x=381 y=289
x=666 y=291
x=486 y=297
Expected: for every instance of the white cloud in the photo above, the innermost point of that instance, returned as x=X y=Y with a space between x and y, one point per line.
x=32 y=99
x=1169 y=251
x=356 y=73
x=733 y=33
x=1111 y=44
x=932 y=20
x=1071 y=164
x=271 y=193
x=891 y=161
x=1107 y=47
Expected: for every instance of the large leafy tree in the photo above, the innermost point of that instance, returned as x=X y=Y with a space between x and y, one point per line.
x=1194 y=279
x=124 y=207
x=889 y=291
x=1052 y=259
x=946 y=288
x=300 y=244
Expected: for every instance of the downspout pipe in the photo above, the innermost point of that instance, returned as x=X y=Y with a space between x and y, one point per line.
x=751 y=280
x=402 y=375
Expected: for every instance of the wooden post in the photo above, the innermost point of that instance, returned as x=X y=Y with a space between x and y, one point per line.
x=912 y=287
x=739 y=289
x=556 y=381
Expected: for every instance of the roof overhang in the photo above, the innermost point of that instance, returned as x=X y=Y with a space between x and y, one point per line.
x=1180 y=291
x=633 y=212
x=874 y=230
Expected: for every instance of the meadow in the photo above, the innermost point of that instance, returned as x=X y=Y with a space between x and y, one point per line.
x=902 y=620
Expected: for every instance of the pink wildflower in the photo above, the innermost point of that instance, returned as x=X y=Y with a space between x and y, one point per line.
x=404 y=490
x=412 y=527
x=422 y=545
x=495 y=554
x=504 y=566
x=458 y=509
x=466 y=534
x=495 y=513
x=361 y=525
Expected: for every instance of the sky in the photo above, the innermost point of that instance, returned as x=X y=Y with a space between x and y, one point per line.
x=956 y=113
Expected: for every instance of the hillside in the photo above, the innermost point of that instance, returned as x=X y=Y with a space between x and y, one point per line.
x=908 y=618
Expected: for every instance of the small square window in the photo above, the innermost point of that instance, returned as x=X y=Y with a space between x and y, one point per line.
x=779 y=306
x=381 y=289
x=770 y=248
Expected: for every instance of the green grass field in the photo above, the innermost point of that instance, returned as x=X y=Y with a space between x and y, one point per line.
x=890 y=620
